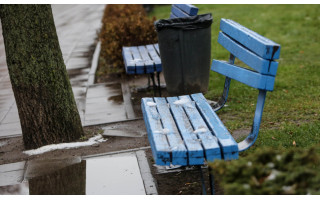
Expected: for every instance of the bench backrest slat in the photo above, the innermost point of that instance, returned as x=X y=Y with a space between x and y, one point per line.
x=259 y=64
x=183 y=10
x=258 y=44
x=251 y=48
x=248 y=77
x=188 y=8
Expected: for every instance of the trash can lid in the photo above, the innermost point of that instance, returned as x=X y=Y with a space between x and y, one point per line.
x=185 y=23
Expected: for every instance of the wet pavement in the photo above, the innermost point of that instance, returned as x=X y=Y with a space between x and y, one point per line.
x=116 y=173
x=77 y=27
x=108 y=103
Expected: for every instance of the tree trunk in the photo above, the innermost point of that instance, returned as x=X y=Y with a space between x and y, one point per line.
x=41 y=86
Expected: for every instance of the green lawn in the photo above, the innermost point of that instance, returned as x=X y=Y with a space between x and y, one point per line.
x=292 y=110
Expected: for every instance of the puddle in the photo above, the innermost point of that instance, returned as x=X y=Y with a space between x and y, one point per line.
x=106 y=175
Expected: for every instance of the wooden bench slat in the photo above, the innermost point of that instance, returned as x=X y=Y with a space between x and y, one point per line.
x=172 y=16
x=188 y=8
x=148 y=63
x=256 y=62
x=251 y=78
x=195 y=150
x=128 y=60
x=153 y=51
x=156 y=46
x=178 y=12
x=209 y=141
x=158 y=141
x=179 y=151
x=138 y=60
x=228 y=145
x=260 y=45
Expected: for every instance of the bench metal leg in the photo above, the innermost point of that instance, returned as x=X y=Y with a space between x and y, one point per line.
x=159 y=86
x=211 y=179
x=154 y=83
x=203 y=185
x=148 y=82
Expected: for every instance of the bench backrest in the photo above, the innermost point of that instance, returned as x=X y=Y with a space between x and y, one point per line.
x=183 y=10
x=251 y=48
x=258 y=53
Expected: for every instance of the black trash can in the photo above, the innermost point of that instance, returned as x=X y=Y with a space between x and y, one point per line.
x=185 y=48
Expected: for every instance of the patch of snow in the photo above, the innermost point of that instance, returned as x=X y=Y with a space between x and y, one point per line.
x=200 y=130
x=270 y=165
x=151 y=104
x=183 y=100
x=278 y=157
x=273 y=175
x=71 y=145
x=3 y=143
x=246 y=186
x=163 y=131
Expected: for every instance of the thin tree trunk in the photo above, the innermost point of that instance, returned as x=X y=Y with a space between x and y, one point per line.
x=41 y=86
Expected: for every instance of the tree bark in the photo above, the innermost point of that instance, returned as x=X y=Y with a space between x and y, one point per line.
x=41 y=86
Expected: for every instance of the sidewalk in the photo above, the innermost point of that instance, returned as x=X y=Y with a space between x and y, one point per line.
x=77 y=27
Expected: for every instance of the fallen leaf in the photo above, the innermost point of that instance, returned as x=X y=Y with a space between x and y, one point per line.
x=294 y=143
x=273 y=138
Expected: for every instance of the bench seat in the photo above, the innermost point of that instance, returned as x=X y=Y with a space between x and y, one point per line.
x=142 y=59
x=184 y=130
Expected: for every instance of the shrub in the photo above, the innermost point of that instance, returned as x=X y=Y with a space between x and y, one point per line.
x=269 y=171
x=123 y=25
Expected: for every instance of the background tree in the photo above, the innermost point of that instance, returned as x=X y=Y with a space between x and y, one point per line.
x=41 y=86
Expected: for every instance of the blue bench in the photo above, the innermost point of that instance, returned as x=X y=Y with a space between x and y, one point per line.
x=145 y=59
x=185 y=130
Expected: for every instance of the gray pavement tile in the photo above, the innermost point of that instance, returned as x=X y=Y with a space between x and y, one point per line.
x=123 y=174
x=11 y=117
x=10 y=130
x=11 y=174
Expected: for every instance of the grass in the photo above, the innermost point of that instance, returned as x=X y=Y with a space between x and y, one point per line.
x=292 y=111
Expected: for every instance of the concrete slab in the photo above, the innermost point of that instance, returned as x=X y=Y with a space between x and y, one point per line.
x=12 y=174
x=114 y=175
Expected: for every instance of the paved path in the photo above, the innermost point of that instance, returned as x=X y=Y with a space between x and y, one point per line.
x=77 y=27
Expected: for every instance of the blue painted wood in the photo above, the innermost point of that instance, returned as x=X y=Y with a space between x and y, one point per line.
x=156 y=46
x=188 y=8
x=179 y=151
x=195 y=150
x=252 y=137
x=178 y=12
x=208 y=141
x=158 y=141
x=148 y=63
x=138 y=60
x=172 y=16
x=228 y=145
x=248 y=77
x=128 y=60
x=260 y=45
x=248 y=57
x=153 y=51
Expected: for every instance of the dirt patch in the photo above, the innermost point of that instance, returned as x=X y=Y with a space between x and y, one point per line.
x=12 y=148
